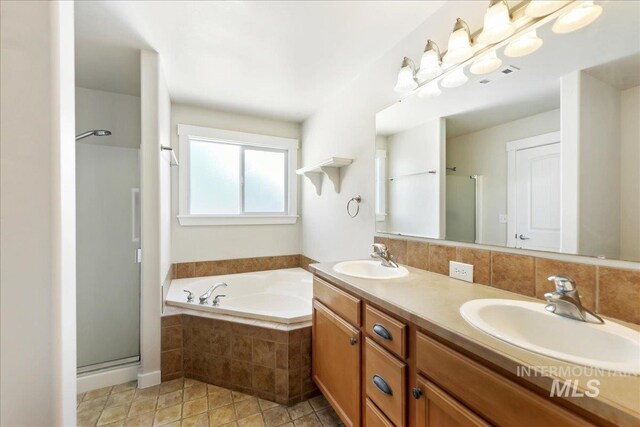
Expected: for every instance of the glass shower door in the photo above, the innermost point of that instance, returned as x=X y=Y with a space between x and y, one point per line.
x=108 y=272
x=461 y=208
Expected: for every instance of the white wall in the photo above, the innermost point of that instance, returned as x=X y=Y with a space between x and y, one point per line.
x=204 y=243
x=484 y=153
x=155 y=113
x=630 y=174
x=97 y=109
x=599 y=168
x=37 y=214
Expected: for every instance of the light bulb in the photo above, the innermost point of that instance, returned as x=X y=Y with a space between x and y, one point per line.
x=497 y=23
x=459 y=48
x=429 y=90
x=486 y=64
x=454 y=79
x=577 y=18
x=430 y=63
x=540 y=8
x=406 y=77
x=528 y=43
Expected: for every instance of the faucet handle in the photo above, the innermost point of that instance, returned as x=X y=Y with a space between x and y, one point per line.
x=563 y=283
x=379 y=248
x=189 y=296
x=216 y=300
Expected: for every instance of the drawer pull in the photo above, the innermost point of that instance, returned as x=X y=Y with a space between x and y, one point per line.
x=382 y=385
x=382 y=332
x=353 y=341
x=417 y=393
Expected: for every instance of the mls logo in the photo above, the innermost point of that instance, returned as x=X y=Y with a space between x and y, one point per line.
x=569 y=388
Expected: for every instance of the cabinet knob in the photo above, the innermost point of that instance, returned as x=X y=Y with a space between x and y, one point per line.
x=353 y=341
x=417 y=393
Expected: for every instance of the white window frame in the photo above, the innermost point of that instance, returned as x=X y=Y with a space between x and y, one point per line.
x=188 y=132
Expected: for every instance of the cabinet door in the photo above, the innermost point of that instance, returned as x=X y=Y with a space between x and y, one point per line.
x=435 y=408
x=336 y=363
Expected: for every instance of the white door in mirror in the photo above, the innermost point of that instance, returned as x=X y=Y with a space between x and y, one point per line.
x=461 y=271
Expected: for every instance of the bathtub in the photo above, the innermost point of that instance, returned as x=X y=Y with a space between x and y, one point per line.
x=282 y=296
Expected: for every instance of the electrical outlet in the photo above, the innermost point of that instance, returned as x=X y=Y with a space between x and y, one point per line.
x=461 y=271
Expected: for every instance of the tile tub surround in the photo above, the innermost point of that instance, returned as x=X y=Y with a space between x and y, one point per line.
x=187 y=402
x=612 y=292
x=269 y=363
x=185 y=270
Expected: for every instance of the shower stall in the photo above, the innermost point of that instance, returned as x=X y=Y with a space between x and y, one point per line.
x=107 y=230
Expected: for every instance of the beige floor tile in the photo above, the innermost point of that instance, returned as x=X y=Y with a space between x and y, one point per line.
x=88 y=418
x=201 y=420
x=142 y=420
x=214 y=388
x=328 y=417
x=118 y=399
x=300 y=410
x=318 y=402
x=276 y=416
x=219 y=398
x=170 y=386
x=169 y=399
x=131 y=385
x=142 y=406
x=113 y=414
x=93 y=404
x=168 y=415
x=310 y=420
x=237 y=396
x=233 y=424
x=144 y=393
x=194 y=392
x=189 y=382
x=173 y=424
x=222 y=415
x=252 y=421
x=194 y=407
x=116 y=424
x=79 y=398
x=246 y=407
x=93 y=394
x=266 y=404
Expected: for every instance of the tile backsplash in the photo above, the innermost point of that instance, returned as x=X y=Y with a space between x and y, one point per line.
x=241 y=265
x=612 y=292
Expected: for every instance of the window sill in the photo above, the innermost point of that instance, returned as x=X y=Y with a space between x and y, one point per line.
x=191 y=220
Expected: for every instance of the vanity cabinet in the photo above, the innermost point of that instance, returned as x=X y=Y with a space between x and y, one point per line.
x=435 y=408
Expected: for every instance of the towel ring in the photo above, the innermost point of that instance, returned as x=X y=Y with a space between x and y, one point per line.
x=356 y=199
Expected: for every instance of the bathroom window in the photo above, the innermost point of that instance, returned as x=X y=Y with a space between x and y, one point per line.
x=228 y=178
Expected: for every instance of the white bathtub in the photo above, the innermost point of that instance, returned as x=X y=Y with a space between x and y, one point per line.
x=282 y=296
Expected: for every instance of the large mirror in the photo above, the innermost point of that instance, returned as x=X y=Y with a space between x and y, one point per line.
x=541 y=154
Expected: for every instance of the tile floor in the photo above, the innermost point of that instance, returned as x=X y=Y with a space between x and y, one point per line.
x=186 y=402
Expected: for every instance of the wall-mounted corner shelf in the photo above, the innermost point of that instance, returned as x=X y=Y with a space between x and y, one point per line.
x=329 y=167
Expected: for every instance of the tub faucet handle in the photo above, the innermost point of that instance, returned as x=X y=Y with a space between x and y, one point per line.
x=216 y=300
x=189 y=296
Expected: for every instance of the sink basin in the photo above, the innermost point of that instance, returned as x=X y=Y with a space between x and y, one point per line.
x=528 y=325
x=370 y=270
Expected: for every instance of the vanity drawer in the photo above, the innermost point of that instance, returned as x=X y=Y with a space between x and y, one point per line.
x=386 y=331
x=385 y=382
x=491 y=395
x=374 y=418
x=340 y=302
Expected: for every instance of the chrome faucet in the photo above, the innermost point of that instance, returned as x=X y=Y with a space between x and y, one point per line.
x=204 y=298
x=216 y=300
x=189 y=295
x=565 y=301
x=380 y=252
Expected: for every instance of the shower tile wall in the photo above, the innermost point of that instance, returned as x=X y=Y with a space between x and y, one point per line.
x=269 y=363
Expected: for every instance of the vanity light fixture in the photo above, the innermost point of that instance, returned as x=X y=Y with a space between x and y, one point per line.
x=456 y=78
x=430 y=63
x=459 y=48
x=486 y=64
x=429 y=90
x=577 y=18
x=497 y=23
x=540 y=8
x=406 y=77
x=528 y=43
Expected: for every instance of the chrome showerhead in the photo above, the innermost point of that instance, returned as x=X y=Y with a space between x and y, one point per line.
x=98 y=132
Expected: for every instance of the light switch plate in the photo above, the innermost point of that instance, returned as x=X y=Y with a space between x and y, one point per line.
x=461 y=271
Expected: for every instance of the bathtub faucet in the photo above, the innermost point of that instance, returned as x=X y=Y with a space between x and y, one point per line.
x=204 y=298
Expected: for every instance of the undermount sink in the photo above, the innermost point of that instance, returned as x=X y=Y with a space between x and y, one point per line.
x=528 y=325
x=370 y=270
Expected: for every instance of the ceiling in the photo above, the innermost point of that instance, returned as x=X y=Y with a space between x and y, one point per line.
x=279 y=59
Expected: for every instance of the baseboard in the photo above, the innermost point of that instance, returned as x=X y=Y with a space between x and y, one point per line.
x=108 y=377
x=149 y=379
